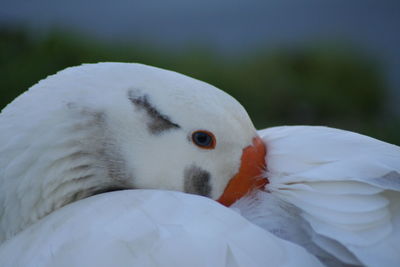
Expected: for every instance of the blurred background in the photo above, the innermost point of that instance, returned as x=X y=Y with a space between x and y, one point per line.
x=334 y=63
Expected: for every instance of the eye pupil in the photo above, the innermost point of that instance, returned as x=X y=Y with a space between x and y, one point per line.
x=204 y=139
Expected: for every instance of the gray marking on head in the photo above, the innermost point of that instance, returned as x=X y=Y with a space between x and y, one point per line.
x=101 y=146
x=96 y=156
x=197 y=181
x=158 y=122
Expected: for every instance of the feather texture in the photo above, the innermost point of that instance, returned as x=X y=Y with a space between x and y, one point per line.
x=344 y=185
x=149 y=228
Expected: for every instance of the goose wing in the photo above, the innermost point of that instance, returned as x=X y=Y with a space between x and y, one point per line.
x=345 y=188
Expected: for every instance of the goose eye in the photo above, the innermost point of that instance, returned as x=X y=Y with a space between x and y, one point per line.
x=204 y=139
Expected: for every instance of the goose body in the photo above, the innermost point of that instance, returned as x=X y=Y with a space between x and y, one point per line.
x=149 y=228
x=76 y=136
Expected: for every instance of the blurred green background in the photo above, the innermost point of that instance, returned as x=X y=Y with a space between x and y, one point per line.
x=319 y=82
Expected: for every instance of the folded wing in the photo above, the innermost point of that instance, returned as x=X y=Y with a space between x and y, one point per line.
x=345 y=188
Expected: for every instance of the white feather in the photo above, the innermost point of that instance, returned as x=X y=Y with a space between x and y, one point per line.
x=149 y=228
x=344 y=185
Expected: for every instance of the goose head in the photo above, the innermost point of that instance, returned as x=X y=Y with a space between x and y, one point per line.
x=111 y=126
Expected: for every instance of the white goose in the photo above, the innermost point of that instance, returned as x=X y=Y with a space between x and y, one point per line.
x=110 y=126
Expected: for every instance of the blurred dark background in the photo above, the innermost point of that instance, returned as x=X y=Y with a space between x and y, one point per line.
x=334 y=63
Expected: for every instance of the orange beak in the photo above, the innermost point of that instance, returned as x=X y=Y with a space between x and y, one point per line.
x=250 y=173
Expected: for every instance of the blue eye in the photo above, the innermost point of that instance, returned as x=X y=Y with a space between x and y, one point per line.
x=204 y=139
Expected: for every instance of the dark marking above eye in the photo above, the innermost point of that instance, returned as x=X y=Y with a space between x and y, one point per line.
x=157 y=122
x=197 y=181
